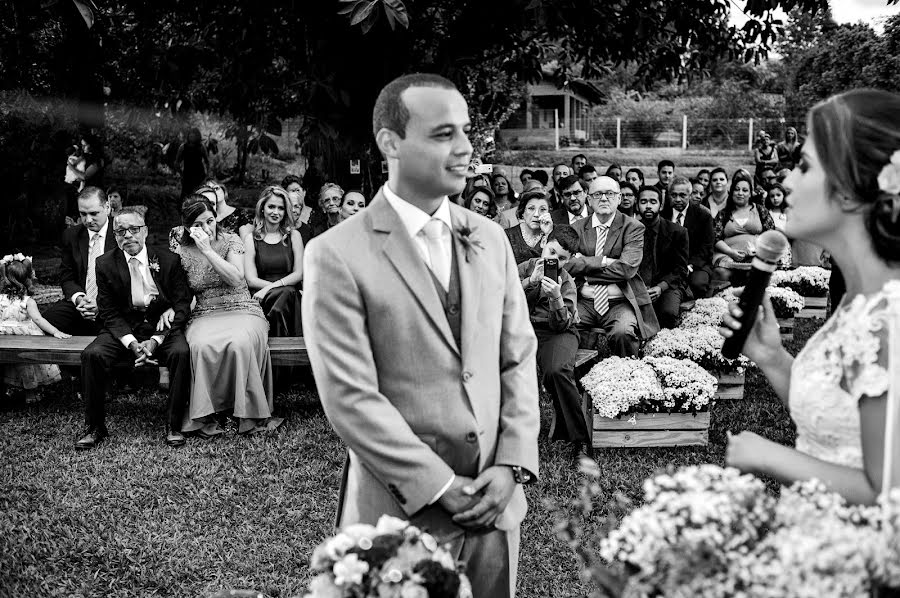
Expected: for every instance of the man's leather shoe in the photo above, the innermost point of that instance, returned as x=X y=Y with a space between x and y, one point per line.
x=91 y=438
x=175 y=438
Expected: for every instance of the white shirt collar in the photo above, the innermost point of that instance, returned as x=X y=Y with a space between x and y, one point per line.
x=142 y=256
x=414 y=218
x=595 y=221
x=102 y=232
x=675 y=213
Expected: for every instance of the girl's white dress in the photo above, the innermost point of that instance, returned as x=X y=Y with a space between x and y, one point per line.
x=14 y=320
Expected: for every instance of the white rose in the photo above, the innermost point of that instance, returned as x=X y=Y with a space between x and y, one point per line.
x=358 y=531
x=390 y=525
x=350 y=570
x=337 y=546
x=889 y=178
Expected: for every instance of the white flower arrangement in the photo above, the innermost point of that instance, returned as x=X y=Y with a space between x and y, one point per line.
x=702 y=345
x=786 y=302
x=618 y=385
x=392 y=558
x=809 y=281
x=686 y=386
x=706 y=312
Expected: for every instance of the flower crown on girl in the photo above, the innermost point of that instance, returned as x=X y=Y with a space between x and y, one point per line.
x=10 y=258
x=14 y=286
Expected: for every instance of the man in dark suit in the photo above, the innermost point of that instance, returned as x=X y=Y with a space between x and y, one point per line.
x=574 y=201
x=76 y=312
x=665 y=171
x=664 y=267
x=701 y=234
x=135 y=286
x=611 y=293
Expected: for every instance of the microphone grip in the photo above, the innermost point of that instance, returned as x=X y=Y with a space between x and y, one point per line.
x=749 y=302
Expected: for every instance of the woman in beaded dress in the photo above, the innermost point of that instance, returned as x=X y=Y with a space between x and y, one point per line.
x=227 y=333
x=845 y=197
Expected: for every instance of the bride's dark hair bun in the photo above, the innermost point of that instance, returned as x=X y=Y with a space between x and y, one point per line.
x=883 y=223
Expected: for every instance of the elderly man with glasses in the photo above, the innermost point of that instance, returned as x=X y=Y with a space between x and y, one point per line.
x=611 y=294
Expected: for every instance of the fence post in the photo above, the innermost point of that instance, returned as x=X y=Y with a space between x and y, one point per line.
x=556 y=128
x=684 y=133
x=750 y=136
x=618 y=133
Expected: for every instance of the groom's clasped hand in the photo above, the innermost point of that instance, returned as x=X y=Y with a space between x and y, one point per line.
x=478 y=503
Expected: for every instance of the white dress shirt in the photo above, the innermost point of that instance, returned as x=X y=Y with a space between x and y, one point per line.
x=414 y=220
x=573 y=218
x=98 y=237
x=676 y=213
x=150 y=290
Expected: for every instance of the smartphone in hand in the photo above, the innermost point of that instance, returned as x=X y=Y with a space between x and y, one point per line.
x=551 y=268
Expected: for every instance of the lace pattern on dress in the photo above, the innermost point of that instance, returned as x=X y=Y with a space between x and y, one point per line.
x=843 y=362
x=213 y=294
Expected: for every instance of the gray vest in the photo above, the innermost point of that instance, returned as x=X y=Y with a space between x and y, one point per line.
x=451 y=298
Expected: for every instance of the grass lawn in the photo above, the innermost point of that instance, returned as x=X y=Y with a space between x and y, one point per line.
x=135 y=518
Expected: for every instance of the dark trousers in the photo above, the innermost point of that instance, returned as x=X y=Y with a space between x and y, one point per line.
x=699 y=283
x=282 y=308
x=668 y=308
x=556 y=358
x=619 y=324
x=64 y=316
x=107 y=351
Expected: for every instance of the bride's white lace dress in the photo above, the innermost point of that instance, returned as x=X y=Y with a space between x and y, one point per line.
x=843 y=362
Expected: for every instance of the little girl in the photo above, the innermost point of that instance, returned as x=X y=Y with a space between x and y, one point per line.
x=19 y=315
x=776 y=203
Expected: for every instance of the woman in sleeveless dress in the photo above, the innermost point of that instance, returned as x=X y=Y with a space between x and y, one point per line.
x=273 y=264
x=846 y=198
x=227 y=332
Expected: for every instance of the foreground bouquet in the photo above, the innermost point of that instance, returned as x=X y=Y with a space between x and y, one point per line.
x=618 y=386
x=786 y=302
x=702 y=345
x=708 y=531
x=392 y=559
x=809 y=281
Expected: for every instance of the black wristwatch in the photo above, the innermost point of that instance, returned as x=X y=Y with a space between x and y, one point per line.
x=521 y=475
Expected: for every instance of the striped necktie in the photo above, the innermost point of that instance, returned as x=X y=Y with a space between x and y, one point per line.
x=95 y=251
x=680 y=219
x=601 y=294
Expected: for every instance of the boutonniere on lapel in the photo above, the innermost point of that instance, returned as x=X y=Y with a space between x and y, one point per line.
x=466 y=238
x=154 y=264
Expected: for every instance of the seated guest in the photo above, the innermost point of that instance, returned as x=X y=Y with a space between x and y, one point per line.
x=628 y=201
x=228 y=332
x=114 y=197
x=635 y=177
x=614 y=172
x=76 y=312
x=574 y=201
x=504 y=195
x=330 y=197
x=701 y=234
x=294 y=186
x=587 y=174
x=351 y=203
x=578 y=162
x=273 y=263
x=135 y=286
x=552 y=307
x=559 y=172
x=665 y=170
x=664 y=267
x=776 y=203
x=481 y=201
x=738 y=225
x=235 y=220
x=717 y=197
x=528 y=237
x=767 y=179
x=297 y=208
x=698 y=192
x=511 y=217
x=703 y=179
x=542 y=177
x=525 y=176
x=612 y=295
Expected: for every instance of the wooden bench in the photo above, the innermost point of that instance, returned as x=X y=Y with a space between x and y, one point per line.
x=285 y=351
x=585 y=357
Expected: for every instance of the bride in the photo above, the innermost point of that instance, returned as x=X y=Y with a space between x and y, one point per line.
x=846 y=198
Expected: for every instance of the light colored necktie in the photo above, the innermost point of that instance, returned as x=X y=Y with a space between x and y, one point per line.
x=137 y=283
x=680 y=219
x=440 y=265
x=95 y=250
x=601 y=294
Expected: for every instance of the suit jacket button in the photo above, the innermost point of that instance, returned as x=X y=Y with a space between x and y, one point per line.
x=466 y=376
x=471 y=437
x=453 y=309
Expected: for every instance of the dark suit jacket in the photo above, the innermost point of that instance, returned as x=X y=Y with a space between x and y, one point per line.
x=73 y=269
x=114 y=293
x=561 y=215
x=701 y=235
x=669 y=269
x=625 y=244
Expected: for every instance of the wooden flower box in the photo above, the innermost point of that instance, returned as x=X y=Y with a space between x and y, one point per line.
x=731 y=385
x=786 y=325
x=651 y=429
x=814 y=307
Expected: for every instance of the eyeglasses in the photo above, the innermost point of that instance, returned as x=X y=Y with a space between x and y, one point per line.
x=680 y=195
x=133 y=230
x=331 y=199
x=571 y=194
x=602 y=194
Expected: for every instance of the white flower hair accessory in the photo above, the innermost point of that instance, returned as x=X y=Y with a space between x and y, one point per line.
x=889 y=182
x=10 y=258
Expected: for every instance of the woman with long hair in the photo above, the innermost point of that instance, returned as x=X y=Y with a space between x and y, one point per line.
x=788 y=149
x=481 y=201
x=738 y=225
x=845 y=196
x=718 y=191
x=273 y=262
x=228 y=218
x=635 y=176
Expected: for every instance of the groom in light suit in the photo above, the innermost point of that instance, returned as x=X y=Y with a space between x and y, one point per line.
x=421 y=345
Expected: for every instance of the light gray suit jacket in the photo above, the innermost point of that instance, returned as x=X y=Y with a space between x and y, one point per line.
x=411 y=405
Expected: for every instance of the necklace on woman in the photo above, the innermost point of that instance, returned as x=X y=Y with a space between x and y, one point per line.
x=531 y=238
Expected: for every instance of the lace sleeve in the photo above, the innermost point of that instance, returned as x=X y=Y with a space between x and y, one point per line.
x=865 y=352
x=175 y=238
x=233 y=244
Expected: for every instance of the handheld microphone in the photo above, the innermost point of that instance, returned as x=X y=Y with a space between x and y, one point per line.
x=770 y=246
